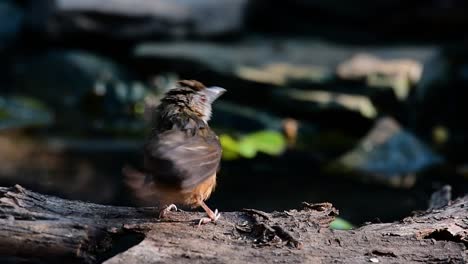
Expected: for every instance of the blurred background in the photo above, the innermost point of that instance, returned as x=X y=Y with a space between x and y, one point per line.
x=360 y=104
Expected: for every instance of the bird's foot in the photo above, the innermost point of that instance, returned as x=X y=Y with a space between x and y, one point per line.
x=163 y=212
x=212 y=217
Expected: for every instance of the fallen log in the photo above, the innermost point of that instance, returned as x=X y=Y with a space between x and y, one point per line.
x=36 y=228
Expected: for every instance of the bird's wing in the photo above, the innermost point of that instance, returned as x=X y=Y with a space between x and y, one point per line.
x=183 y=160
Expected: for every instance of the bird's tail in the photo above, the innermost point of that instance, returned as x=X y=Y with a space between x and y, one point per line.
x=142 y=190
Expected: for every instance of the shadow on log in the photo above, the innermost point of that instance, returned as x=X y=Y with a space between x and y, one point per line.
x=36 y=228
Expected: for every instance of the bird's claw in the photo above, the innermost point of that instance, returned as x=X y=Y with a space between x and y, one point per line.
x=211 y=218
x=171 y=207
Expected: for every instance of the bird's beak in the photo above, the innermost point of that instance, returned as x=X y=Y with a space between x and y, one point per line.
x=212 y=93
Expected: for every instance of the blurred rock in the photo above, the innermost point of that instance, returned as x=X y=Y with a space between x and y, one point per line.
x=440 y=99
x=11 y=18
x=249 y=69
x=363 y=65
x=316 y=101
x=283 y=73
x=268 y=68
x=85 y=91
x=388 y=154
x=241 y=119
x=270 y=61
x=64 y=77
x=293 y=61
x=436 y=71
x=19 y=112
x=399 y=74
x=440 y=198
x=86 y=170
x=130 y=19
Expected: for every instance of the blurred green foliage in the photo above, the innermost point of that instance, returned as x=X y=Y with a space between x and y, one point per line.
x=247 y=146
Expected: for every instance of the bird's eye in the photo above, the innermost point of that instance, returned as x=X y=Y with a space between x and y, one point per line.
x=203 y=98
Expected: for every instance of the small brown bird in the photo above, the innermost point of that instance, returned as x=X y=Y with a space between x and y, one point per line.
x=182 y=154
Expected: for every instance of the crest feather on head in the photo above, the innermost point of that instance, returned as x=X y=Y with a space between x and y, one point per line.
x=195 y=85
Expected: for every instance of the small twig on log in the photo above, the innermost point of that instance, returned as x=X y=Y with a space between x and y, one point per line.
x=318 y=206
x=286 y=236
x=257 y=212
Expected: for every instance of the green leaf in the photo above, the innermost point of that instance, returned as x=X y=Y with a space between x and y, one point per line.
x=247 y=149
x=340 y=224
x=228 y=143
x=230 y=147
x=269 y=142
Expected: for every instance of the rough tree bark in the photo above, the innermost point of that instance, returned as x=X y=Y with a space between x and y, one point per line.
x=44 y=229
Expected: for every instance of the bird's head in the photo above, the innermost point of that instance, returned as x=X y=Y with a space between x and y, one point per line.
x=194 y=97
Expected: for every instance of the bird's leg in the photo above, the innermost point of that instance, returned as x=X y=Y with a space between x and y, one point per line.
x=212 y=216
x=171 y=207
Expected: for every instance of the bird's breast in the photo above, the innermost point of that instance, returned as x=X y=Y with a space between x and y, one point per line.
x=191 y=197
